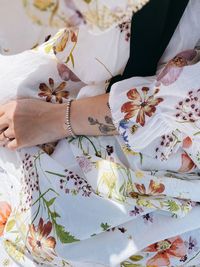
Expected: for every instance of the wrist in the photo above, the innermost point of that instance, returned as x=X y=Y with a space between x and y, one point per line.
x=59 y=118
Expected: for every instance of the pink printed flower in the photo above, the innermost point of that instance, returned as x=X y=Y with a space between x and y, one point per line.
x=140 y=105
x=174 y=67
x=186 y=163
x=166 y=249
x=66 y=74
x=43 y=245
x=77 y=18
x=5 y=211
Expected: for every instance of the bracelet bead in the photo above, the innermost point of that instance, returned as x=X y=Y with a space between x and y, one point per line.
x=67 y=119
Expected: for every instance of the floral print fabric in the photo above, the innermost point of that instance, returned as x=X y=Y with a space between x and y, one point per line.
x=129 y=200
x=97 y=15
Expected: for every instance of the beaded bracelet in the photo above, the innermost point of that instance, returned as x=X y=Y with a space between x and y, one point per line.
x=68 y=123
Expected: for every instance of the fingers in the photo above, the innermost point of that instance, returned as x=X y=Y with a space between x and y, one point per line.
x=12 y=144
x=6 y=137
x=3 y=123
x=9 y=133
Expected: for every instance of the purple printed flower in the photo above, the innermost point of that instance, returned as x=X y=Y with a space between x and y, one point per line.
x=188 y=109
x=109 y=150
x=84 y=163
x=191 y=244
x=77 y=18
x=148 y=218
x=74 y=184
x=136 y=211
x=174 y=67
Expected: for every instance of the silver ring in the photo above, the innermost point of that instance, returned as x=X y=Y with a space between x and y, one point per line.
x=6 y=137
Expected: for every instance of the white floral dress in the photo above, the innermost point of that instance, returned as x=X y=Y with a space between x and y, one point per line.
x=130 y=200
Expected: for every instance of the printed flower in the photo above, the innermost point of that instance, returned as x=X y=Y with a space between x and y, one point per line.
x=186 y=163
x=43 y=4
x=126 y=28
x=109 y=150
x=14 y=249
x=192 y=245
x=167 y=144
x=43 y=245
x=140 y=105
x=148 y=218
x=62 y=41
x=5 y=211
x=172 y=247
x=50 y=91
x=84 y=163
x=174 y=67
x=136 y=211
x=187 y=142
x=139 y=174
x=74 y=184
x=109 y=180
x=66 y=74
x=129 y=151
x=188 y=109
x=124 y=124
x=49 y=147
x=77 y=18
x=153 y=189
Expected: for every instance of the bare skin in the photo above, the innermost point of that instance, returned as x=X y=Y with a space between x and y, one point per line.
x=29 y=122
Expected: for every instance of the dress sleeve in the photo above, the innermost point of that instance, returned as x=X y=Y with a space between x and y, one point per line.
x=95 y=42
x=163 y=110
x=94 y=59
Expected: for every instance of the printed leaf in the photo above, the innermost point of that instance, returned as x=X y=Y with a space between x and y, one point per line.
x=50 y=202
x=105 y=226
x=87 y=1
x=65 y=237
x=136 y=258
x=129 y=264
x=172 y=206
x=55 y=215
x=10 y=225
x=72 y=59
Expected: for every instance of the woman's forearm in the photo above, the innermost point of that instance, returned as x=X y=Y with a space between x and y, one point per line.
x=30 y=122
x=92 y=116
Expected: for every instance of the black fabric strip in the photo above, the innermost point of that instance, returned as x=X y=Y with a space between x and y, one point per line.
x=152 y=29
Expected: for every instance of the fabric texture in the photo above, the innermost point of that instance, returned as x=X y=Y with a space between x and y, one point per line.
x=154 y=30
x=110 y=201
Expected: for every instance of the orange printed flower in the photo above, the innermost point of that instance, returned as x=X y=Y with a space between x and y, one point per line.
x=49 y=91
x=154 y=189
x=64 y=39
x=187 y=142
x=5 y=211
x=187 y=163
x=172 y=247
x=61 y=43
x=43 y=245
x=140 y=105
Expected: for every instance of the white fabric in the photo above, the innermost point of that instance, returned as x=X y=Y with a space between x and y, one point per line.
x=108 y=225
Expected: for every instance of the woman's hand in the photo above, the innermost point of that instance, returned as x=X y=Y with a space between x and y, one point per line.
x=29 y=122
